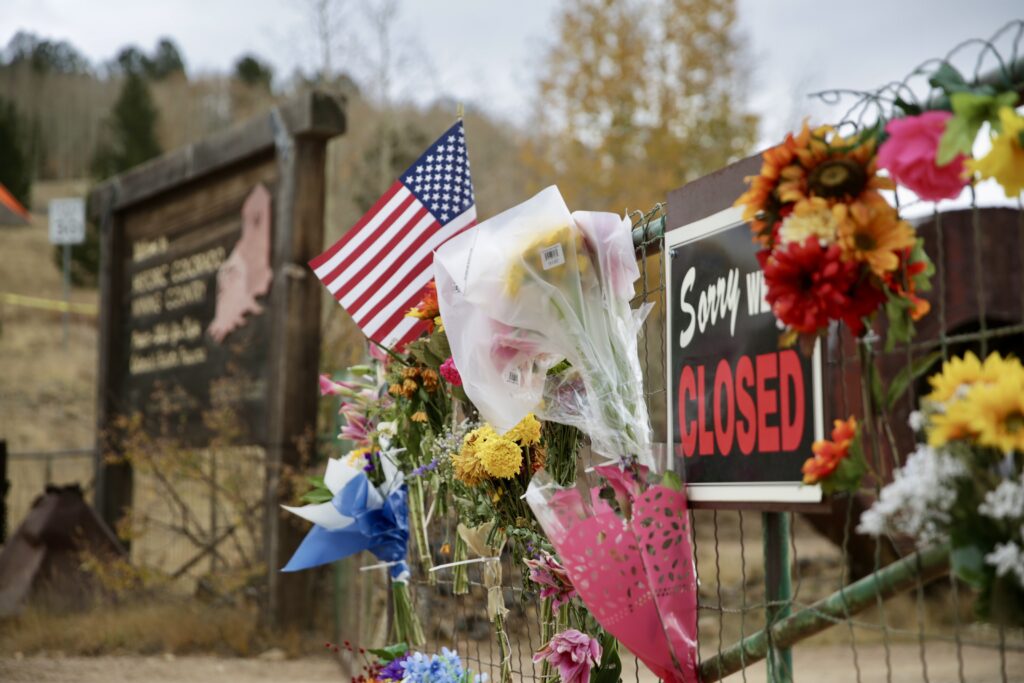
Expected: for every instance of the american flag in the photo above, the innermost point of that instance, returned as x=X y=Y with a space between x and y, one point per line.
x=379 y=269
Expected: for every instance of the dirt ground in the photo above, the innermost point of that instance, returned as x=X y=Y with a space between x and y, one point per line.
x=832 y=663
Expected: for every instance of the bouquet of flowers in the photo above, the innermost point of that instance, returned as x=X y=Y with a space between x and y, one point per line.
x=965 y=485
x=537 y=289
x=361 y=502
x=833 y=247
x=398 y=664
x=536 y=305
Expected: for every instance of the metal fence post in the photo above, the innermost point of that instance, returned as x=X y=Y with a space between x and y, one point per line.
x=4 y=485
x=778 y=589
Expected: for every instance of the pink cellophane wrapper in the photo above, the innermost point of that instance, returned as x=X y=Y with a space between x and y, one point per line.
x=636 y=576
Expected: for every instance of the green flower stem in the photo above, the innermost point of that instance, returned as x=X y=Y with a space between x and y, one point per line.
x=419 y=527
x=460 y=573
x=547 y=630
x=407 y=623
x=504 y=647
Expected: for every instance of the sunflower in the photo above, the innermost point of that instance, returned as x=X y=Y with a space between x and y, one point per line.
x=996 y=413
x=969 y=370
x=952 y=425
x=761 y=201
x=871 y=231
x=830 y=166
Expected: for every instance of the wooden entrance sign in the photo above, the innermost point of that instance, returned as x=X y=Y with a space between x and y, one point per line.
x=206 y=301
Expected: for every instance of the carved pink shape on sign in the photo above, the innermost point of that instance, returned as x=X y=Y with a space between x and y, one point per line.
x=637 y=577
x=246 y=272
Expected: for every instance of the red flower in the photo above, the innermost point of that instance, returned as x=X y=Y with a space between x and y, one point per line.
x=903 y=283
x=809 y=284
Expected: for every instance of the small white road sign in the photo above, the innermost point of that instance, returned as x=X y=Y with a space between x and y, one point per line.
x=67 y=220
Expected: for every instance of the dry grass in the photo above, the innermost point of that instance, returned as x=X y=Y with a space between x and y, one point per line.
x=146 y=628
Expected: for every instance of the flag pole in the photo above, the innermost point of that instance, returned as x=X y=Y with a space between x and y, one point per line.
x=460 y=111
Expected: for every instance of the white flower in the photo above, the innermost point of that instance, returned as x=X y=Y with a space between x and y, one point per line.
x=919 y=499
x=1006 y=501
x=917 y=420
x=389 y=428
x=1007 y=558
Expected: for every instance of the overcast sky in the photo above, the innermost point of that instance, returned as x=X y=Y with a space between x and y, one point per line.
x=487 y=52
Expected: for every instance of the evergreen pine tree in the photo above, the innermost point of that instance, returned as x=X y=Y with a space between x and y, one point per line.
x=15 y=169
x=132 y=127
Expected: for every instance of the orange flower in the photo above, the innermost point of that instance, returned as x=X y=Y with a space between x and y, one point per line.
x=761 y=200
x=828 y=454
x=871 y=231
x=903 y=283
x=427 y=309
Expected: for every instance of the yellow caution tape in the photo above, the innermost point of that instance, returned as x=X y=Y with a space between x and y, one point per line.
x=47 y=304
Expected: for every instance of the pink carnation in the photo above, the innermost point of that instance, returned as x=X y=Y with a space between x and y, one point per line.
x=450 y=372
x=909 y=156
x=572 y=653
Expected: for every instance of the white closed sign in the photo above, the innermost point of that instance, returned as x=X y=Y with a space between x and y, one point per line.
x=67 y=220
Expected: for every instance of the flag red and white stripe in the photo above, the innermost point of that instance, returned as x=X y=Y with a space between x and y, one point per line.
x=378 y=270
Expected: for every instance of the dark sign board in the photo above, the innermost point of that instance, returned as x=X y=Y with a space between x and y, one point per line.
x=196 y=328
x=742 y=413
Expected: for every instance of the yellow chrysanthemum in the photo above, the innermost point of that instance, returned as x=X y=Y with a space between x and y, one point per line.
x=1005 y=161
x=468 y=469
x=996 y=413
x=500 y=457
x=527 y=432
x=812 y=218
x=872 y=232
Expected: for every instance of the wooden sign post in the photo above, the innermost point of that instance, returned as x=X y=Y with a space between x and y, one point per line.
x=206 y=299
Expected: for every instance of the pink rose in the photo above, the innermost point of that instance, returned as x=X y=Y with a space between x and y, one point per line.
x=572 y=653
x=909 y=156
x=450 y=372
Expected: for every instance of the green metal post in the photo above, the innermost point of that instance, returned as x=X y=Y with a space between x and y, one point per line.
x=778 y=590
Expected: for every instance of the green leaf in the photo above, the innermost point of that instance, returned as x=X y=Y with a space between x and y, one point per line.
x=901 y=326
x=610 y=667
x=671 y=481
x=908 y=108
x=316 y=496
x=848 y=474
x=968 y=562
x=908 y=374
x=390 y=653
x=877 y=393
x=971 y=110
x=948 y=79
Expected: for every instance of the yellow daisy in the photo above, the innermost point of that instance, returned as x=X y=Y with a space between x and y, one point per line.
x=1005 y=161
x=996 y=412
x=811 y=218
x=872 y=232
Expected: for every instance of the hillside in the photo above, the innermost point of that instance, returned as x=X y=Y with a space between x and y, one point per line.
x=47 y=392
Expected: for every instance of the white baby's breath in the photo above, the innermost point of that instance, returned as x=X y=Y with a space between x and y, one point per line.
x=1006 y=501
x=919 y=499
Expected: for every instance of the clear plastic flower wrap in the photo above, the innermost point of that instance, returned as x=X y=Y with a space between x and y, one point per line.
x=533 y=287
